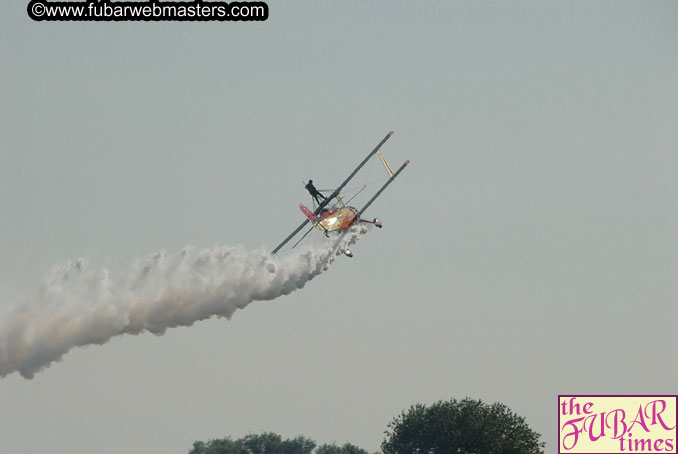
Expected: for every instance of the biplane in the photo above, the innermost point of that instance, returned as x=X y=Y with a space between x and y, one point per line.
x=332 y=214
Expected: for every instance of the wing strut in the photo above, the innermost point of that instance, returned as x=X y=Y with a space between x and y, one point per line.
x=374 y=197
x=303 y=236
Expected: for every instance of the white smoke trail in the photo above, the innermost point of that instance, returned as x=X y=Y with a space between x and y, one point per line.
x=78 y=306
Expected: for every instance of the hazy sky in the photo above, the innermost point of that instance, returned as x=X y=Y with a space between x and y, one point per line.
x=529 y=250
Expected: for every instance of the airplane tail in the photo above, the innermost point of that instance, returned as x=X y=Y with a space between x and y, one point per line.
x=308 y=213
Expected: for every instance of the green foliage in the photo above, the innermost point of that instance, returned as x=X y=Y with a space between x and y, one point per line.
x=265 y=443
x=348 y=448
x=462 y=427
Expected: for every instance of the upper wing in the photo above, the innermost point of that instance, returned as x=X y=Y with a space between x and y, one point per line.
x=336 y=192
x=357 y=169
x=290 y=236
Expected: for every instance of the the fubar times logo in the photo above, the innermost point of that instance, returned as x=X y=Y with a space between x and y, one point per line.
x=589 y=424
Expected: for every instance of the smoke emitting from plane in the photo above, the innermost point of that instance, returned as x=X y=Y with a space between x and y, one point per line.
x=78 y=305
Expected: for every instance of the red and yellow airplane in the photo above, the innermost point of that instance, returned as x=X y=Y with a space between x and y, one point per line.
x=340 y=216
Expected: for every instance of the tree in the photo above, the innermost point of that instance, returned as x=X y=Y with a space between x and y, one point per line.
x=264 y=443
x=462 y=427
x=348 y=448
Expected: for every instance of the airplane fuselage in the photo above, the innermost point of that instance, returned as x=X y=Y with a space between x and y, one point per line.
x=336 y=219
